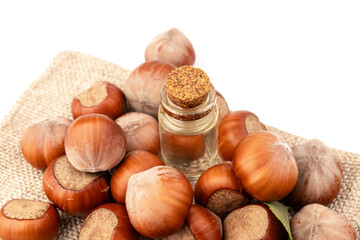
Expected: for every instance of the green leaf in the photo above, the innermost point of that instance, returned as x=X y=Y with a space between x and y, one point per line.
x=281 y=212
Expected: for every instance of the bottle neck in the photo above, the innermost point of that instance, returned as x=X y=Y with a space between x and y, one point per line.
x=188 y=114
x=188 y=120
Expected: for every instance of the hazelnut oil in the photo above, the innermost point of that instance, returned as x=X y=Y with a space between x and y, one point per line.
x=188 y=135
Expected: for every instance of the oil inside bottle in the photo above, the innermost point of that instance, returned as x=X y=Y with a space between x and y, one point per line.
x=190 y=148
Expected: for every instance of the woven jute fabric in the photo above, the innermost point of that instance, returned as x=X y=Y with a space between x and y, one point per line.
x=51 y=95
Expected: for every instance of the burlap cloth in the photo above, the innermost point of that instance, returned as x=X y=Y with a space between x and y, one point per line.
x=51 y=95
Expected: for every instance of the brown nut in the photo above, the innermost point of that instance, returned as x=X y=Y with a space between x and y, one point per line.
x=22 y=219
x=95 y=143
x=142 y=87
x=317 y=222
x=171 y=46
x=103 y=98
x=108 y=221
x=158 y=201
x=42 y=142
x=253 y=222
x=233 y=128
x=134 y=162
x=266 y=166
x=219 y=190
x=141 y=132
x=320 y=174
x=201 y=224
x=73 y=191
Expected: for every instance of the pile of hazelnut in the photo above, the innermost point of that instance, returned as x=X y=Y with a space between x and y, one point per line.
x=106 y=165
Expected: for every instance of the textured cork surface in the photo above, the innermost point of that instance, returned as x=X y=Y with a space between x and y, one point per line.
x=187 y=86
x=51 y=94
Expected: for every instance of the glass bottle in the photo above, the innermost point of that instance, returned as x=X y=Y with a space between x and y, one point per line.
x=188 y=126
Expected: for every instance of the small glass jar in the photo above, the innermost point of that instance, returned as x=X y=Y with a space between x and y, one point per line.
x=189 y=136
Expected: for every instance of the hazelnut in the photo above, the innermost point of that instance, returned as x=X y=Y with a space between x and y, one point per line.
x=103 y=98
x=43 y=141
x=219 y=190
x=315 y=221
x=23 y=219
x=320 y=174
x=134 y=162
x=253 y=222
x=171 y=46
x=94 y=143
x=233 y=128
x=73 y=191
x=141 y=132
x=142 y=87
x=266 y=166
x=108 y=221
x=158 y=201
x=201 y=224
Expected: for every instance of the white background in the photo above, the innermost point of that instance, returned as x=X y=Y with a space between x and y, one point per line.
x=294 y=64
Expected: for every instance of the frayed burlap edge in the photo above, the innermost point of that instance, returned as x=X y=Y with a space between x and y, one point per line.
x=51 y=95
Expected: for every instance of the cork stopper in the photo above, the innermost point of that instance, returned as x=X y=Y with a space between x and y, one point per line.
x=23 y=209
x=187 y=86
